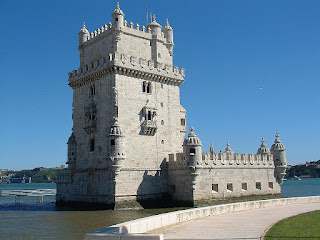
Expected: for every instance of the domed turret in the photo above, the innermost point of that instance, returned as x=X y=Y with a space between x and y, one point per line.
x=263 y=148
x=168 y=34
x=155 y=27
x=192 y=149
x=278 y=151
x=83 y=34
x=117 y=154
x=228 y=148
x=277 y=146
x=117 y=17
x=72 y=150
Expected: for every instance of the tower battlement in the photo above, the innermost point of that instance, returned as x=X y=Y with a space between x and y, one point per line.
x=128 y=64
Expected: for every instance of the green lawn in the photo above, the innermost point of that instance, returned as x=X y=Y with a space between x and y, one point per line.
x=306 y=225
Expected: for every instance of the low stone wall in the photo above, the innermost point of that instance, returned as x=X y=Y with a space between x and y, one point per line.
x=134 y=229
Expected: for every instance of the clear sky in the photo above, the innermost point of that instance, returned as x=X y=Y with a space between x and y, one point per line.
x=252 y=68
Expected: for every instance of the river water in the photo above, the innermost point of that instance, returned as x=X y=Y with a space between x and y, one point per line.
x=44 y=221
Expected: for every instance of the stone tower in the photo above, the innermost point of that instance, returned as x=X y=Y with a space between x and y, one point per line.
x=127 y=116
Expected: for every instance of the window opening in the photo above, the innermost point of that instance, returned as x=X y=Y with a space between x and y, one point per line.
x=244 y=186
x=183 y=122
x=149 y=115
x=144 y=87
x=192 y=151
x=215 y=188
x=258 y=185
x=230 y=187
x=271 y=185
x=92 y=91
x=91 y=145
x=113 y=142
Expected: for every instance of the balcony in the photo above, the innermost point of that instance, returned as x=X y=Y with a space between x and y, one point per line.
x=149 y=127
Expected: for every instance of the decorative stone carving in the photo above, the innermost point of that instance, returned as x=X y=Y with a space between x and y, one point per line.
x=142 y=62
x=123 y=58
x=133 y=60
x=151 y=64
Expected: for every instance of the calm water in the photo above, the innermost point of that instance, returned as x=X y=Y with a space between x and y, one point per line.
x=43 y=221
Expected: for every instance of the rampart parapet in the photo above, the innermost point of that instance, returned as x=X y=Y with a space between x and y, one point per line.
x=131 y=65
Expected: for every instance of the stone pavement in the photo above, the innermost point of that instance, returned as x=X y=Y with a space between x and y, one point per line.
x=249 y=224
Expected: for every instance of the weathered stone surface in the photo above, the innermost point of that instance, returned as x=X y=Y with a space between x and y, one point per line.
x=127 y=142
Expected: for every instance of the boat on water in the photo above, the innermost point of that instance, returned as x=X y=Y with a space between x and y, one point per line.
x=296 y=178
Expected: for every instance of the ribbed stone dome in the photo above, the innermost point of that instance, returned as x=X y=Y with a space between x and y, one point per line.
x=192 y=139
x=277 y=144
x=228 y=148
x=118 y=11
x=115 y=130
x=72 y=139
x=154 y=22
x=84 y=29
x=263 y=148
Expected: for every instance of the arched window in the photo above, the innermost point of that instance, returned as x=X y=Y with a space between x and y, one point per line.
x=192 y=151
x=92 y=90
x=149 y=88
x=91 y=145
x=144 y=86
x=113 y=142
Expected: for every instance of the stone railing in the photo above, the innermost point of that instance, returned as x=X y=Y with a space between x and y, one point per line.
x=135 y=229
x=63 y=176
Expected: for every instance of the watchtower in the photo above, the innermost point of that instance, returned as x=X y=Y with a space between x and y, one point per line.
x=126 y=115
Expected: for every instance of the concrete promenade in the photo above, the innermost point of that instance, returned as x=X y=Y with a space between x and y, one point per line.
x=242 y=220
x=236 y=225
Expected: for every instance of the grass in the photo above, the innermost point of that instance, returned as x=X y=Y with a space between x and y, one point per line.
x=306 y=225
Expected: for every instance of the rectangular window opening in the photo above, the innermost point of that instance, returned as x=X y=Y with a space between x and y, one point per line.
x=244 y=186
x=271 y=185
x=229 y=187
x=183 y=122
x=258 y=185
x=192 y=151
x=215 y=188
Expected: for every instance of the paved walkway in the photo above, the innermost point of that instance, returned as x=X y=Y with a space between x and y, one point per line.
x=238 y=225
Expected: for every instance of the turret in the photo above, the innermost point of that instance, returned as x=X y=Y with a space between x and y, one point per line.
x=228 y=148
x=117 y=18
x=192 y=151
x=192 y=148
x=116 y=147
x=155 y=27
x=211 y=150
x=263 y=148
x=168 y=34
x=83 y=34
x=72 y=150
x=278 y=151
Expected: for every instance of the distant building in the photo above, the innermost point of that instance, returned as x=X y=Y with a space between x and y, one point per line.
x=20 y=180
x=127 y=142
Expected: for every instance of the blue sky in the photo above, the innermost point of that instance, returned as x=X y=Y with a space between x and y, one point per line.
x=230 y=50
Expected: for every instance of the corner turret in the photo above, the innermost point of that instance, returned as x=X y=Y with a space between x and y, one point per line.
x=278 y=151
x=72 y=150
x=192 y=151
x=155 y=27
x=83 y=34
x=116 y=147
x=192 y=148
x=228 y=148
x=263 y=148
x=168 y=34
x=117 y=18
